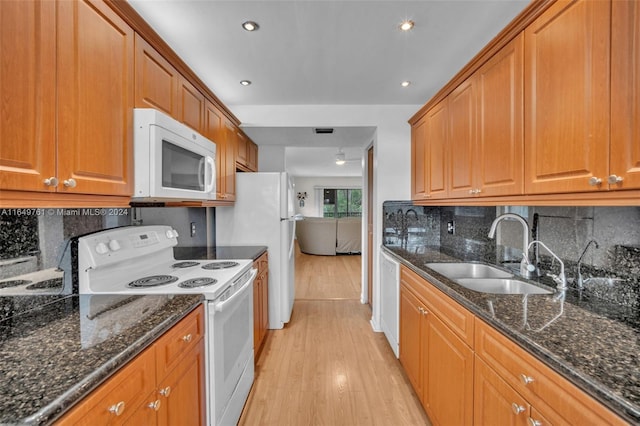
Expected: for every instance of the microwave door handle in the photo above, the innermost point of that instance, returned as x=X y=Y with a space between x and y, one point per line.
x=201 y=172
x=211 y=183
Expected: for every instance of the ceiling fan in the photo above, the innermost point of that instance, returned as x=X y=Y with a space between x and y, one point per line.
x=341 y=160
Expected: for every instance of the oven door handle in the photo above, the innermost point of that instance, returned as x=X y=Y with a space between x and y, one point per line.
x=218 y=307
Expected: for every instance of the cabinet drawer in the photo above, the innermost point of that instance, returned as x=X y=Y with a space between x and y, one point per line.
x=456 y=317
x=553 y=396
x=124 y=392
x=184 y=336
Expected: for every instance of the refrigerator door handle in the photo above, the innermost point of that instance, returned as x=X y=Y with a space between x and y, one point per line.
x=293 y=235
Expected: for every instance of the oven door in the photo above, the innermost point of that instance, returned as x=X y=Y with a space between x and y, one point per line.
x=231 y=352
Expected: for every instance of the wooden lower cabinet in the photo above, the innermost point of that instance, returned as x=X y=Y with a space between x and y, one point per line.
x=439 y=364
x=553 y=399
x=164 y=385
x=466 y=372
x=260 y=303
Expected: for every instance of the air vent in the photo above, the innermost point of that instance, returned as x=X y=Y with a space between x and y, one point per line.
x=323 y=130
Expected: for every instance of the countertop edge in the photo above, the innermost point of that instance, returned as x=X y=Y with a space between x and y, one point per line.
x=60 y=406
x=600 y=392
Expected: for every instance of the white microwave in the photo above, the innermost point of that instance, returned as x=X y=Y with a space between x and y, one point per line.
x=172 y=162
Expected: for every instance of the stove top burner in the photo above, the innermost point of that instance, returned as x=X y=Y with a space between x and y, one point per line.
x=185 y=264
x=153 y=281
x=198 y=282
x=220 y=265
x=52 y=283
x=14 y=283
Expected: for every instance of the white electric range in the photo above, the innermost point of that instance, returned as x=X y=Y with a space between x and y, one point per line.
x=139 y=260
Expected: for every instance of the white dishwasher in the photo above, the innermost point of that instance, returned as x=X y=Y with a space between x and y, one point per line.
x=390 y=300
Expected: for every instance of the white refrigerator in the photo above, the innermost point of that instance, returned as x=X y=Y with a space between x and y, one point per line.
x=264 y=214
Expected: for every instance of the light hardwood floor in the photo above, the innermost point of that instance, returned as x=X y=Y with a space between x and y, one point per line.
x=327 y=366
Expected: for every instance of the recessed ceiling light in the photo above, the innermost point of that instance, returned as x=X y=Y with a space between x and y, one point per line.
x=407 y=25
x=245 y=82
x=250 y=26
x=405 y=83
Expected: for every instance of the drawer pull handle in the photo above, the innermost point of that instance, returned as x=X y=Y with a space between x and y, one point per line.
x=117 y=409
x=534 y=422
x=155 y=405
x=187 y=338
x=517 y=409
x=165 y=391
x=526 y=379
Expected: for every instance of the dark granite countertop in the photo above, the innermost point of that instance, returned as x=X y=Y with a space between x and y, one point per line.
x=54 y=350
x=219 y=252
x=593 y=343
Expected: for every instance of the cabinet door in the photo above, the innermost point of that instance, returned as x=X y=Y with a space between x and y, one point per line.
x=567 y=97
x=410 y=347
x=190 y=105
x=95 y=99
x=495 y=402
x=500 y=142
x=625 y=94
x=257 y=314
x=242 y=154
x=182 y=392
x=437 y=121
x=447 y=377
x=462 y=136
x=252 y=154
x=156 y=80
x=27 y=95
x=230 y=160
x=215 y=130
x=418 y=160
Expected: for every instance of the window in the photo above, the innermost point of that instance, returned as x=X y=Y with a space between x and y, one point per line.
x=342 y=203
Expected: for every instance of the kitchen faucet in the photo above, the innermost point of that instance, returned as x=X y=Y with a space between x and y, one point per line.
x=561 y=280
x=527 y=270
x=580 y=280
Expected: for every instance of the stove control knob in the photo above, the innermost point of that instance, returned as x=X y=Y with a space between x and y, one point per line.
x=114 y=245
x=172 y=233
x=101 y=248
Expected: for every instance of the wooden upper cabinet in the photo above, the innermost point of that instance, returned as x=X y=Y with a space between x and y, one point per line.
x=216 y=130
x=242 y=153
x=190 y=105
x=156 y=80
x=429 y=138
x=500 y=135
x=625 y=94
x=436 y=147
x=27 y=95
x=418 y=157
x=462 y=137
x=567 y=97
x=95 y=99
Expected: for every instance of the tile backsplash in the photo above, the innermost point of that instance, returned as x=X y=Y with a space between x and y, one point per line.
x=611 y=269
x=35 y=239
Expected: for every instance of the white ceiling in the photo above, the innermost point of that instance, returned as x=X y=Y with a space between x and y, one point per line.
x=325 y=52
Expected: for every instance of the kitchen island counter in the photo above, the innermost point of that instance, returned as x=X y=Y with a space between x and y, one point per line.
x=591 y=342
x=54 y=350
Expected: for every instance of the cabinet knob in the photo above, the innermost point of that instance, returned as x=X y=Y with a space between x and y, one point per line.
x=472 y=191
x=117 y=409
x=595 y=181
x=427 y=196
x=517 y=409
x=613 y=179
x=155 y=405
x=534 y=422
x=187 y=338
x=52 y=181
x=165 y=391
x=69 y=183
x=526 y=379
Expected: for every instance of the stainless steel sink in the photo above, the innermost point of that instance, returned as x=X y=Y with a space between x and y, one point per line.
x=501 y=286
x=454 y=271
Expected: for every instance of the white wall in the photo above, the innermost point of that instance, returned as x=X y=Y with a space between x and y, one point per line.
x=313 y=205
x=392 y=155
x=271 y=158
